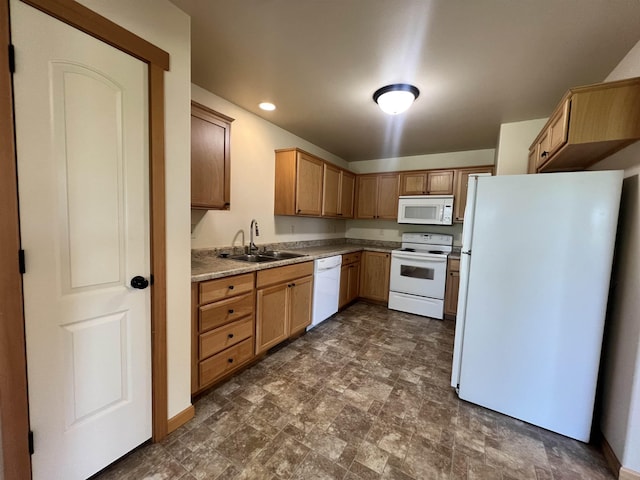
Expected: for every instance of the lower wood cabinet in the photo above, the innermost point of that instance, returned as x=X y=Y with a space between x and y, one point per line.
x=283 y=303
x=349 y=278
x=452 y=287
x=223 y=325
x=374 y=276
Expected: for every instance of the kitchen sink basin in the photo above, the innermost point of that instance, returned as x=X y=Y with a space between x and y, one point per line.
x=281 y=255
x=267 y=256
x=253 y=258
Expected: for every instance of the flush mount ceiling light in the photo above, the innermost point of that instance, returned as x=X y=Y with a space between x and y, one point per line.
x=396 y=98
x=267 y=106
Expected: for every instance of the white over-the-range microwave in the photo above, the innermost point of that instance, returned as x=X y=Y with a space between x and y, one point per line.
x=426 y=209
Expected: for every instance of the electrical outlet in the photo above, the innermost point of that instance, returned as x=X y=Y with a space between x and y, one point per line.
x=381 y=232
x=293 y=228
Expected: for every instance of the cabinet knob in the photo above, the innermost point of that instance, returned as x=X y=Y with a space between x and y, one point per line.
x=230 y=287
x=226 y=204
x=544 y=154
x=230 y=360
x=230 y=335
x=231 y=310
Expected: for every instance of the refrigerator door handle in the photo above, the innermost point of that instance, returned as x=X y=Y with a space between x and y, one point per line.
x=467 y=252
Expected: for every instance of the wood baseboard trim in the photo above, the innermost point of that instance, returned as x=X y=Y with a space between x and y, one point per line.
x=609 y=455
x=626 y=474
x=181 y=418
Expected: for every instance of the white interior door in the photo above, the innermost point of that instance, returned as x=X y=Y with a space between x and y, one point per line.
x=82 y=146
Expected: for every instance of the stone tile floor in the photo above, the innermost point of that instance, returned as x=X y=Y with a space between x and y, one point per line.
x=363 y=396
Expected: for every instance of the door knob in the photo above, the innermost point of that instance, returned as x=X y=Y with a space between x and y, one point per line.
x=139 y=282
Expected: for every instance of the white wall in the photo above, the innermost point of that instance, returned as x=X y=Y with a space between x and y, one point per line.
x=620 y=422
x=163 y=24
x=253 y=142
x=470 y=158
x=512 y=154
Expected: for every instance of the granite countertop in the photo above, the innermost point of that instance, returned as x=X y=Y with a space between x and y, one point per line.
x=207 y=266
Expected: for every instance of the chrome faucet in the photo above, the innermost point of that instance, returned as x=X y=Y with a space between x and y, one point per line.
x=252 y=246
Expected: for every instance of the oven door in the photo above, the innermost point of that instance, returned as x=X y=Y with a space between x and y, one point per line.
x=418 y=274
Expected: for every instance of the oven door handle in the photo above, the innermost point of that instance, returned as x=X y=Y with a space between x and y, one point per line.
x=419 y=258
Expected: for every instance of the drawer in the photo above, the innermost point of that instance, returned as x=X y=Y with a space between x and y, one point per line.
x=348 y=258
x=225 y=361
x=226 y=336
x=219 y=289
x=454 y=264
x=225 y=311
x=273 y=276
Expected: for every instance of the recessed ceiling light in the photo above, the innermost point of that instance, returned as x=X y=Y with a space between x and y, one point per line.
x=396 y=98
x=267 y=106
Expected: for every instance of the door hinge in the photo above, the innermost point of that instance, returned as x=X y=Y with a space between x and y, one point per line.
x=31 y=443
x=21 y=262
x=12 y=59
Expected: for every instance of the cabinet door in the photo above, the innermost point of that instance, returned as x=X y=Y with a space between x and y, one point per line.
x=559 y=128
x=343 y=297
x=413 y=183
x=388 y=188
x=347 y=189
x=452 y=286
x=272 y=323
x=210 y=162
x=300 y=298
x=440 y=183
x=330 y=190
x=533 y=156
x=354 y=282
x=374 y=276
x=462 y=181
x=367 y=194
x=309 y=185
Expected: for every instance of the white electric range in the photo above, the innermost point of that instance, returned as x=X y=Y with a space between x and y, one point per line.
x=419 y=274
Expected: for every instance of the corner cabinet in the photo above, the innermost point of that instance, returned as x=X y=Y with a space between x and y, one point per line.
x=377 y=196
x=375 y=269
x=589 y=124
x=223 y=324
x=283 y=303
x=452 y=287
x=210 y=159
x=306 y=185
x=461 y=182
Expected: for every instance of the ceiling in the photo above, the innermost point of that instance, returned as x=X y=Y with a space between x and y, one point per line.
x=477 y=63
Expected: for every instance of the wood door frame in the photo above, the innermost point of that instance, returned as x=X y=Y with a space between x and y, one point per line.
x=14 y=406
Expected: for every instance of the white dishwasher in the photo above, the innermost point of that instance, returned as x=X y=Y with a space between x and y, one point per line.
x=326 y=288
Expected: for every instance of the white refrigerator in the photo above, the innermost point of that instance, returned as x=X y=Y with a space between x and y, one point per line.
x=536 y=261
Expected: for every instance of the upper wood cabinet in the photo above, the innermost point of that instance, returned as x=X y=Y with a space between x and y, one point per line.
x=377 y=196
x=426 y=182
x=210 y=160
x=461 y=183
x=330 y=191
x=307 y=185
x=589 y=124
x=347 y=192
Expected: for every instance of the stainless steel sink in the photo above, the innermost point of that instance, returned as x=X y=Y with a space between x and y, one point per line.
x=281 y=255
x=253 y=258
x=267 y=256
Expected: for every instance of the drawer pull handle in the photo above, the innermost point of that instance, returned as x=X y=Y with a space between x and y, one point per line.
x=230 y=287
x=230 y=360
x=231 y=310
x=230 y=335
